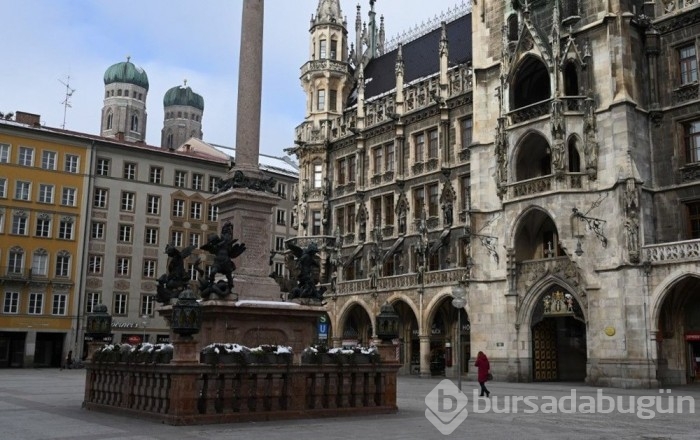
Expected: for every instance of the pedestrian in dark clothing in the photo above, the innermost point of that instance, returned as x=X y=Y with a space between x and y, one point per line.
x=483 y=367
x=69 y=360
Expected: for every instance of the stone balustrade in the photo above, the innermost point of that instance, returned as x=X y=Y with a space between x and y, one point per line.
x=675 y=251
x=530 y=112
x=444 y=277
x=193 y=393
x=671 y=6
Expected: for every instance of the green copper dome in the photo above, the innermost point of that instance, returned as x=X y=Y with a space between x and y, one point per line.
x=183 y=95
x=126 y=72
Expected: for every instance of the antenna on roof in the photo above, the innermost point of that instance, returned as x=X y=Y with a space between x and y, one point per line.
x=66 y=101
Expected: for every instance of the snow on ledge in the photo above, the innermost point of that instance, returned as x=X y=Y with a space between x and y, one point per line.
x=266 y=303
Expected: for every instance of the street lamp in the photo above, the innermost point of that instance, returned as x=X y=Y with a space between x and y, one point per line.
x=144 y=323
x=458 y=302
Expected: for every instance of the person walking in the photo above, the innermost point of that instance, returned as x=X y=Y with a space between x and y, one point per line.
x=69 y=360
x=483 y=375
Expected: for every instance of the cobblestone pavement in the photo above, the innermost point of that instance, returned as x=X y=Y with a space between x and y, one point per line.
x=37 y=404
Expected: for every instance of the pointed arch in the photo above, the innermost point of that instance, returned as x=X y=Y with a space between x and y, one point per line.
x=574 y=152
x=134 y=122
x=532 y=156
x=538 y=291
x=531 y=82
x=663 y=291
x=364 y=325
x=571 y=73
x=535 y=235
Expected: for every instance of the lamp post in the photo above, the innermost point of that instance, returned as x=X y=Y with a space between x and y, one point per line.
x=144 y=323
x=458 y=302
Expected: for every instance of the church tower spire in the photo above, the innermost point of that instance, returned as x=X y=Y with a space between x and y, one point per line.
x=326 y=77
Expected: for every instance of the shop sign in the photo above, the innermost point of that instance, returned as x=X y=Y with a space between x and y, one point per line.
x=132 y=339
x=107 y=339
x=691 y=337
x=124 y=324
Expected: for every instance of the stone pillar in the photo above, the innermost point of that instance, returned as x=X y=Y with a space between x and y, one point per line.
x=424 y=356
x=249 y=87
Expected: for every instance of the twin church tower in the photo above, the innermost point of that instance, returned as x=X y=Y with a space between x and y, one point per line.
x=124 y=111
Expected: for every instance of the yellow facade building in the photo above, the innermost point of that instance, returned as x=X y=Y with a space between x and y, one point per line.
x=43 y=181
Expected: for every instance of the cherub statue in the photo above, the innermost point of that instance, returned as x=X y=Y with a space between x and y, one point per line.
x=176 y=279
x=224 y=248
x=305 y=268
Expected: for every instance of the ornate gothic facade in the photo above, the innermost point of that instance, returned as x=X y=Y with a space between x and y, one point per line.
x=543 y=154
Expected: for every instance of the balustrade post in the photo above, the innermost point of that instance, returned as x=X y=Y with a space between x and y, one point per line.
x=183 y=396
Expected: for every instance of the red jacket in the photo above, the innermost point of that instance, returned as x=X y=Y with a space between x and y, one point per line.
x=482 y=364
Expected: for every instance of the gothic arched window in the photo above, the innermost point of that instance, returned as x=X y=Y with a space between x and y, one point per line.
x=513 y=27
x=571 y=84
x=574 y=157
x=531 y=83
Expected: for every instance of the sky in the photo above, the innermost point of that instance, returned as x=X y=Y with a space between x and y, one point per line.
x=51 y=43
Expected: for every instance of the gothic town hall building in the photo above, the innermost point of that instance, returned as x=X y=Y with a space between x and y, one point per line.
x=544 y=155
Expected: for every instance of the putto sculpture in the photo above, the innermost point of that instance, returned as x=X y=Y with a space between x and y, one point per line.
x=224 y=248
x=305 y=268
x=176 y=279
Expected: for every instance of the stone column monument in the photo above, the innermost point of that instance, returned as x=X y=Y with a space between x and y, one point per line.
x=247 y=200
x=249 y=87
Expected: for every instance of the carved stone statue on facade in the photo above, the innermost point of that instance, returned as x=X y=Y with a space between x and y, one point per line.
x=632 y=230
x=447 y=214
x=558 y=156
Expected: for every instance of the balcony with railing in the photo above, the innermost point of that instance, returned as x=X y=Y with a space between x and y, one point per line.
x=668 y=7
x=530 y=112
x=436 y=278
x=13 y=274
x=543 y=184
x=326 y=65
x=673 y=252
x=17 y=274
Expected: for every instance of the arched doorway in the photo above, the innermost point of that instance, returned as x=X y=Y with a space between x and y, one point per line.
x=558 y=338
x=357 y=327
x=409 y=342
x=443 y=338
x=678 y=336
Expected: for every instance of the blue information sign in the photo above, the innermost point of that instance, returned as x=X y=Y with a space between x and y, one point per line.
x=323 y=327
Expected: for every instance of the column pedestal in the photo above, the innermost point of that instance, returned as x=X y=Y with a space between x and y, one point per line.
x=185 y=351
x=250 y=213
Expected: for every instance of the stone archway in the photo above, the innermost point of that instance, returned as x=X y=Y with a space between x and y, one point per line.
x=356 y=326
x=409 y=341
x=678 y=335
x=558 y=342
x=441 y=348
